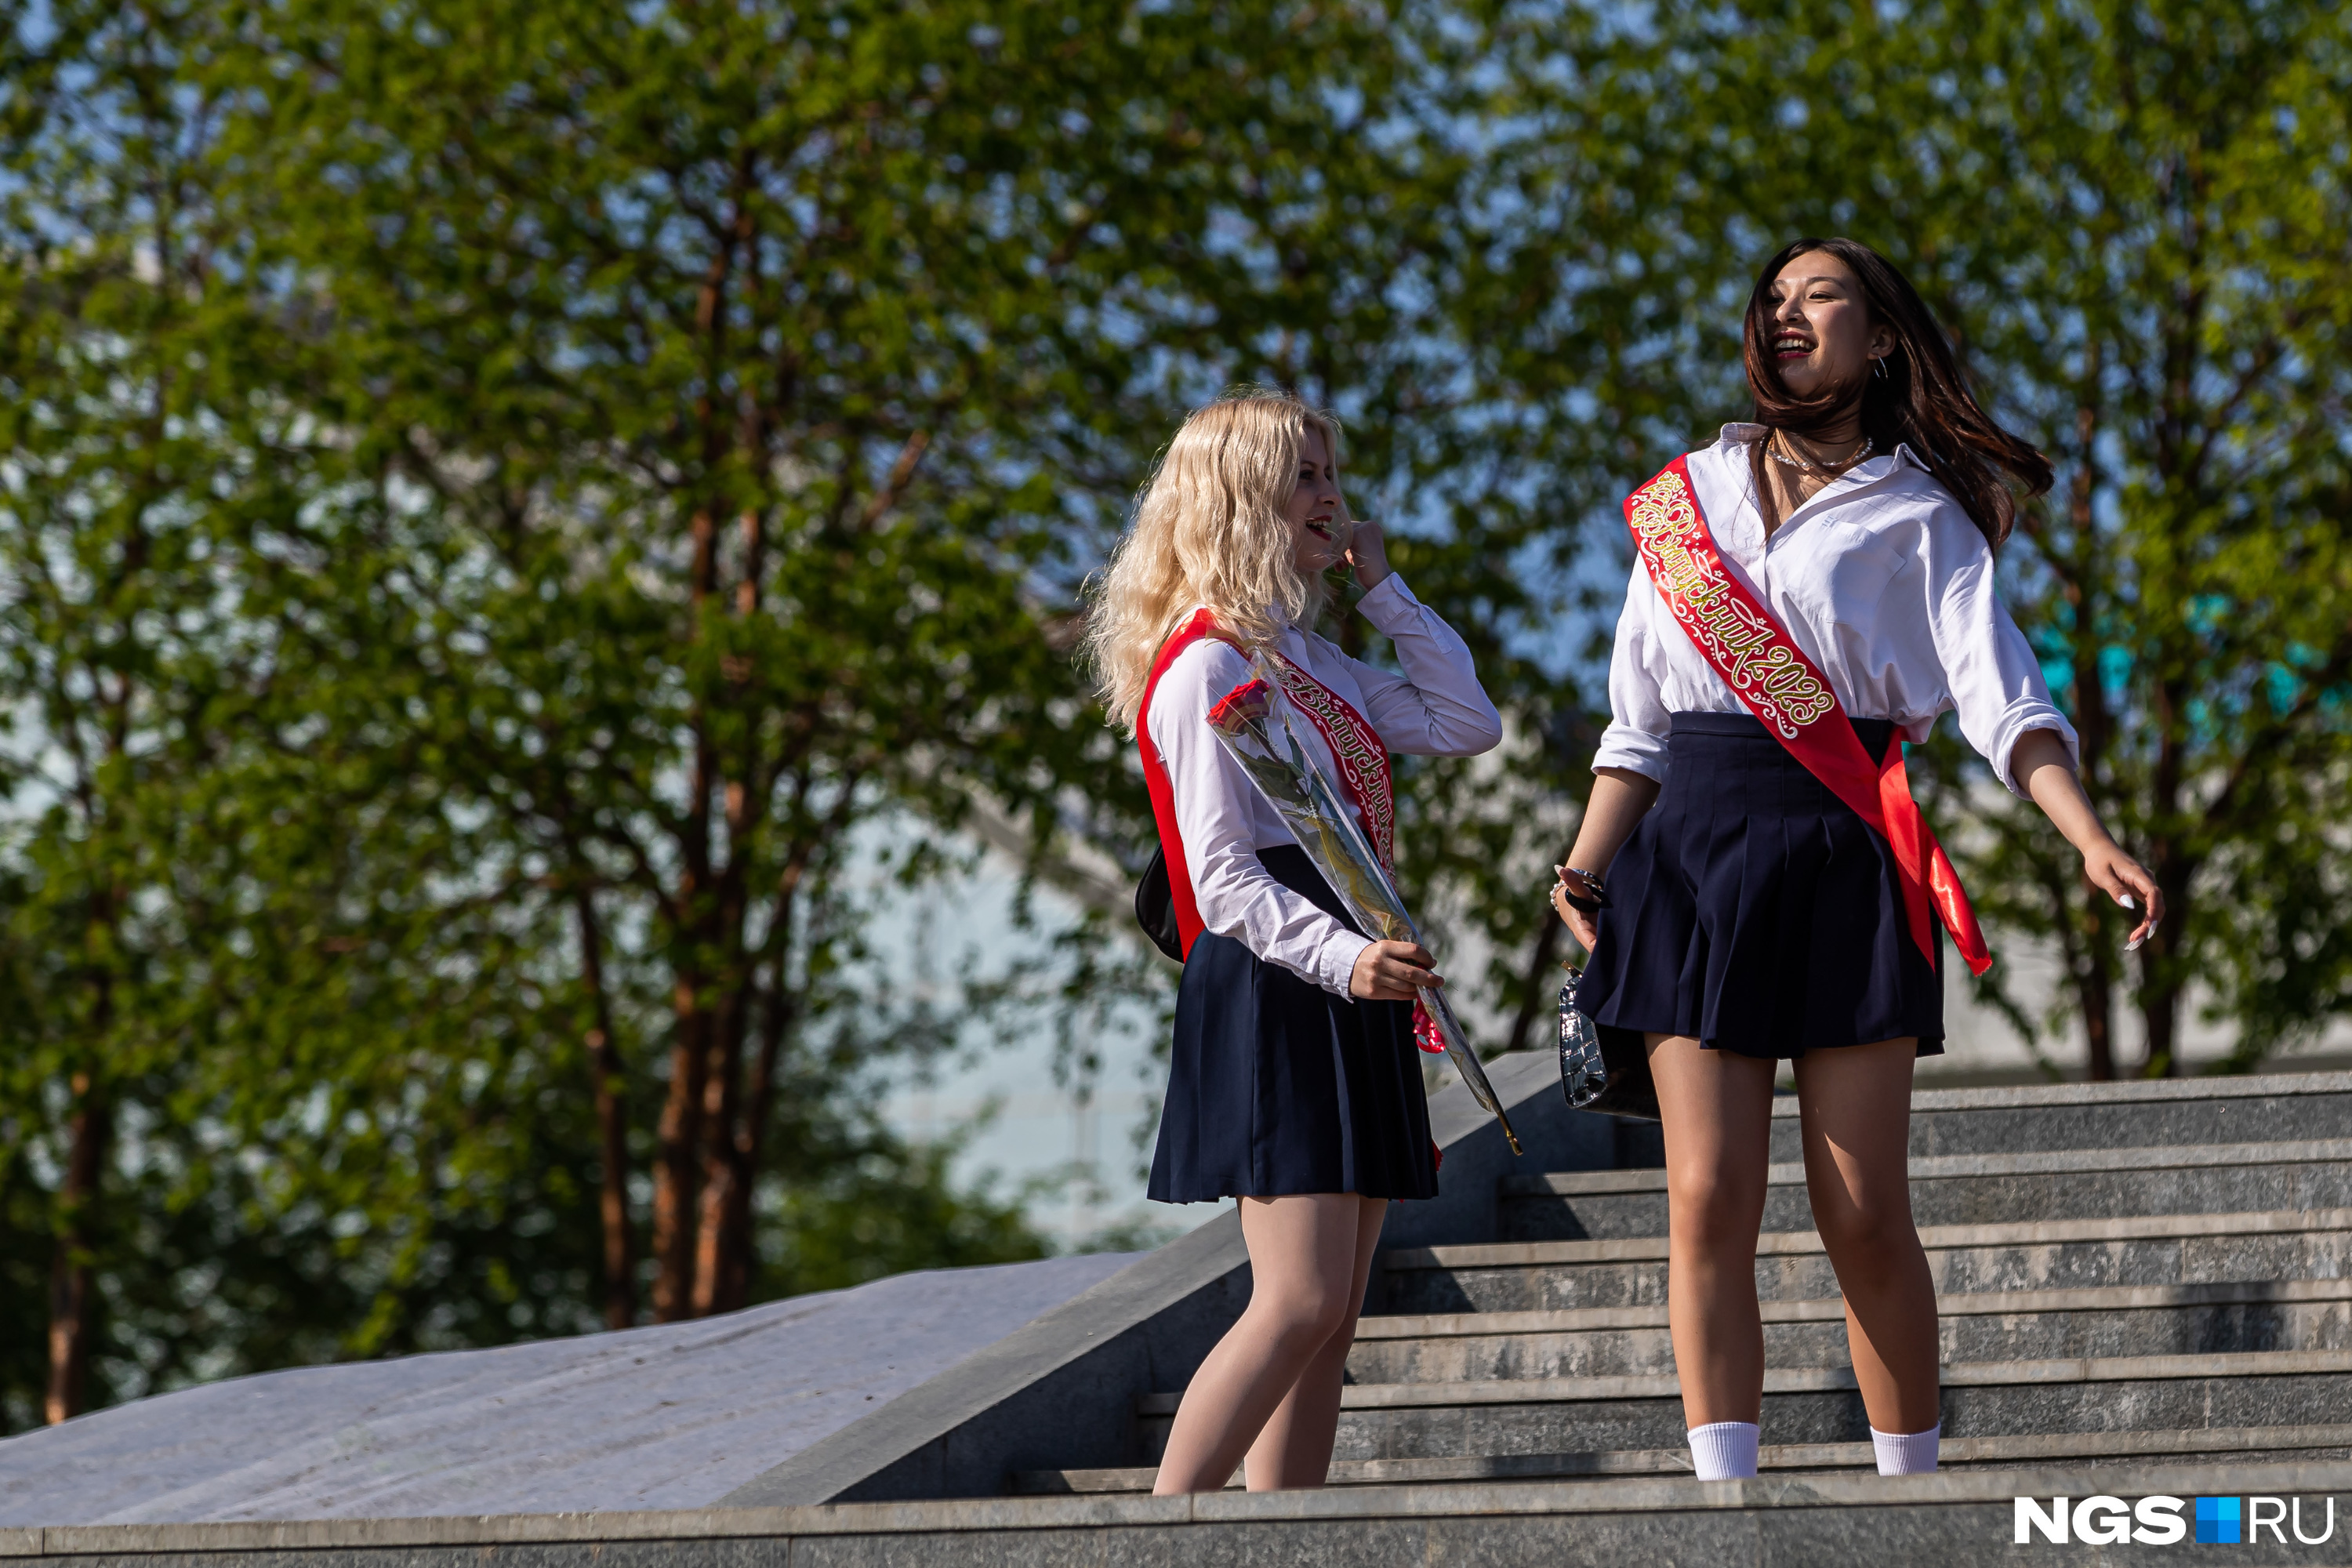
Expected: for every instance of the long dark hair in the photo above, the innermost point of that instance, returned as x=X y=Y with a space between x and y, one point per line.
x=1922 y=399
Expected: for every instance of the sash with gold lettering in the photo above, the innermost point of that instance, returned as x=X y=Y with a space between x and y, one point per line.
x=1355 y=745
x=1768 y=672
x=1364 y=774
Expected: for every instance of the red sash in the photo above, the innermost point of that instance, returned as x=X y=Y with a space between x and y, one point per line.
x=1162 y=792
x=1768 y=672
x=1355 y=745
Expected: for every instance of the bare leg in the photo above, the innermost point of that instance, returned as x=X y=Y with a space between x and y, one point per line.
x=1305 y=1284
x=1717 y=1110
x=1295 y=1449
x=1856 y=1107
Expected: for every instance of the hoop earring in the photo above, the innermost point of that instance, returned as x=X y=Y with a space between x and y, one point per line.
x=1878 y=366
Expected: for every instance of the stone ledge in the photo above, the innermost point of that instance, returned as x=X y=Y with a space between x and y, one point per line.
x=1820 y=1379
x=1632 y=1496
x=2005 y=1450
x=1831 y=1309
x=1935 y=1238
x=2132 y=1092
x=1961 y=1167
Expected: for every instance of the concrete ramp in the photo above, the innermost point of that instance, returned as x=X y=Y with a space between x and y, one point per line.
x=673 y=1416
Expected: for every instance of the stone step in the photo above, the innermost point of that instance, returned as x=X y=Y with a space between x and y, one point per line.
x=1971 y=1189
x=2158 y=1250
x=2252 y=1443
x=1961 y=1517
x=1981 y=1326
x=2158 y=1114
x=1818 y=1404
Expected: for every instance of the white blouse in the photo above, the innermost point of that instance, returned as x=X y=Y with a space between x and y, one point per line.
x=1436 y=709
x=1882 y=581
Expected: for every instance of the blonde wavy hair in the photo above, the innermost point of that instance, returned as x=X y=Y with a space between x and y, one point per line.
x=1208 y=530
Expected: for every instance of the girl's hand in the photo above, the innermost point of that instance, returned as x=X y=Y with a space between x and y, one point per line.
x=1393 y=971
x=1368 y=553
x=1620 y=796
x=1579 y=924
x=2041 y=760
x=2124 y=880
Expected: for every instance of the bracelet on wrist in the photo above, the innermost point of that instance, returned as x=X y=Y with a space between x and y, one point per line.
x=1592 y=905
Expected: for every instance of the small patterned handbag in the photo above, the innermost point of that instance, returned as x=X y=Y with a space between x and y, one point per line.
x=1595 y=1078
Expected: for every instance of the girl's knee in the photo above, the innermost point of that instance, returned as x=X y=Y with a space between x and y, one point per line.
x=1306 y=1316
x=1865 y=1225
x=1714 y=1207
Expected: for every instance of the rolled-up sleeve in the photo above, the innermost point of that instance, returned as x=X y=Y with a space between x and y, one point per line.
x=1995 y=681
x=1216 y=815
x=1638 y=718
x=1437 y=708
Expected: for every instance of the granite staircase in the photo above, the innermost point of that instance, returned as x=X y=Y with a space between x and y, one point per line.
x=2126 y=1275
x=2146 y=1295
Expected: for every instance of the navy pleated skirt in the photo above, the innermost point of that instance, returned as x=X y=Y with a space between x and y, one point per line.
x=1277 y=1087
x=1755 y=912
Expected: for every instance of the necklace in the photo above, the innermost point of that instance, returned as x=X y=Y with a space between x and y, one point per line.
x=1773 y=449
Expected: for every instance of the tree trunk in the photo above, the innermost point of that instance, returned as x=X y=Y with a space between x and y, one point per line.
x=675 y=1181
x=2160 y=989
x=721 y=1177
x=2159 y=1009
x=2094 y=991
x=69 y=1272
x=2095 y=976
x=731 y=1286
x=731 y=1276
x=2161 y=982
x=612 y=1126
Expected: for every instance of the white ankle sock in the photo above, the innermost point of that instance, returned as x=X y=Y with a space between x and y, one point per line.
x=1724 y=1450
x=1907 y=1453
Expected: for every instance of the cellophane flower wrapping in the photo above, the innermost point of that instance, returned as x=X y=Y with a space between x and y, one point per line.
x=1257 y=727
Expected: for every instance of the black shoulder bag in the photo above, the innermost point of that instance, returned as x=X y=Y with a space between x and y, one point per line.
x=1155 y=908
x=1610 y=1080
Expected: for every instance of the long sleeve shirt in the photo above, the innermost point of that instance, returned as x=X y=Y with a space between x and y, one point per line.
x=1884 y=581
x=1436 y=709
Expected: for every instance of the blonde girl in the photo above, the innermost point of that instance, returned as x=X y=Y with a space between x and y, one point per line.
x=1293 y=1085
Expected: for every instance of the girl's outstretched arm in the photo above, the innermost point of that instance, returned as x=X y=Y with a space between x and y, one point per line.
x=2041 y=765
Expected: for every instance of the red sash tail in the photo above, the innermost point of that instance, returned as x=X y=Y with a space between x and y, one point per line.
x=1936 y=883
x=1765 y=669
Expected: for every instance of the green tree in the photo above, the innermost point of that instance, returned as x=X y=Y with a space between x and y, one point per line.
x=202 y=1172
x=2179 y=342
x=119 y=658
x=734 y=398
x=296 y=1067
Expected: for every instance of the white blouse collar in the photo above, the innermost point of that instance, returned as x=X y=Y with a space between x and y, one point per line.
x=1877 y=467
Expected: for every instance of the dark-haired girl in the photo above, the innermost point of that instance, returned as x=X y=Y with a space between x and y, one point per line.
x=1751 y=876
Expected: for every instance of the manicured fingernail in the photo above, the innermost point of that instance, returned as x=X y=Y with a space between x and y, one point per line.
x=2126 y=900
x=2134 y=945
